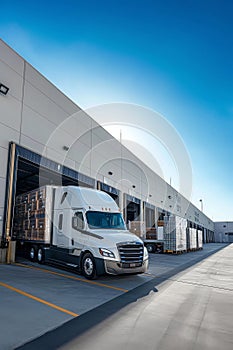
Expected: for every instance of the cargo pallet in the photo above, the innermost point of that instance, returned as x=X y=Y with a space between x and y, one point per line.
x=30 y=216
x=194 y=249
x=176 y=252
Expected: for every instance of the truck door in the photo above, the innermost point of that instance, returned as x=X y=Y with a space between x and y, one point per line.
x=78 y=236
x=61 y=237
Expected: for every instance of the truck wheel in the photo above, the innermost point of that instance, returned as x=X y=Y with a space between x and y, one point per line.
x=40 y=255
x=33 y=253
x=88 y=266
x=150 y=248
x=159 y=249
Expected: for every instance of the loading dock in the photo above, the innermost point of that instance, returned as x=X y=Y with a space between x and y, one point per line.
x=131 y=208
x=189 y=225
x=112 y=191
x=30 y=116
x=150 y=217
x=154 y=234
x=28 y=170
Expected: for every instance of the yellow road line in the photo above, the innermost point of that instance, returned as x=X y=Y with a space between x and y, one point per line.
x=38 y=299
x=73 y=277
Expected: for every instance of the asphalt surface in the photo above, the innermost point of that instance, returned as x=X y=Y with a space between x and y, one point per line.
x=46 y=308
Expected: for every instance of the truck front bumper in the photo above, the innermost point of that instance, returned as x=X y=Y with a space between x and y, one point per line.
x=116 y=268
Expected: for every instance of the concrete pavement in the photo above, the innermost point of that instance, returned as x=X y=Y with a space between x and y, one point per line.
x=192 y=310
x=163 y=312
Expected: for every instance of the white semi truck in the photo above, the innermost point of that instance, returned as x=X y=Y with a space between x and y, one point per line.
x=77 y=227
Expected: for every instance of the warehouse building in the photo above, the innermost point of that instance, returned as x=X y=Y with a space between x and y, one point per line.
x=223 y=231
x=45 y=138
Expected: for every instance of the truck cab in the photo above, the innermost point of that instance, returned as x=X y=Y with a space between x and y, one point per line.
x=89 y=230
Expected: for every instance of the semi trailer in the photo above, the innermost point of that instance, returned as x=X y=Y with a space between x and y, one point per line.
x=154 y=240
x=77 y=227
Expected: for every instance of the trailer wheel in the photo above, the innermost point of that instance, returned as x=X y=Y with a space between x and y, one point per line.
x=33 y=253
x=88 y=266
x=40 y=255
x=150 y=248
x=159 y=249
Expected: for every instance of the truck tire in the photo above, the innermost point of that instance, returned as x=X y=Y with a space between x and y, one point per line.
x=33 y=253
x=150 y=248
x=40 y=255
x=88 y=266
x=159 y=249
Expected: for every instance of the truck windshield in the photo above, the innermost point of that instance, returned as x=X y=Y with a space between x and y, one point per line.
x=98 y=220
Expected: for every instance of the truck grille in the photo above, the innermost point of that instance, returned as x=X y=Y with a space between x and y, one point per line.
x=131 y=254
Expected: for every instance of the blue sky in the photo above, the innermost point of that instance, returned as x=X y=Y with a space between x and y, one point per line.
x=175 y=57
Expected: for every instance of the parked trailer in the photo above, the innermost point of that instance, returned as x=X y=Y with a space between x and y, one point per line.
x=155 y=244
x=77 y=227
x=175 y=234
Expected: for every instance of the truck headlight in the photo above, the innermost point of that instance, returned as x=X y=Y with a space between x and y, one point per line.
x=107 y=253
x=145 y=253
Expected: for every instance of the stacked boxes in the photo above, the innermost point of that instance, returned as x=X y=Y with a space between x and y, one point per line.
x=151 y=233
x=160 y=233
x=160 y=223
x=175 y=234
x=199 y=239
x=30 y=219
x=138 y=228
x=193 y=238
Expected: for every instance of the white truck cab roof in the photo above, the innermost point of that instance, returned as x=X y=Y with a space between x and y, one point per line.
x=83 y=197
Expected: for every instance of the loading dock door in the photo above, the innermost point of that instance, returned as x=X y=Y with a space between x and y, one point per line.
x=150 y=218
x=28 y=170
x=131 y=208
x=112 y=191
x=150 y=221
x=149 y=215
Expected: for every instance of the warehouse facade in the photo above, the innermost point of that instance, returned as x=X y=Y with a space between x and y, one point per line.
x=45 y=138
x=223 y=231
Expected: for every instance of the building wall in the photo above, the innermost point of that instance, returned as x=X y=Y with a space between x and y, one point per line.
x=222 y=230
x=36 y=115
